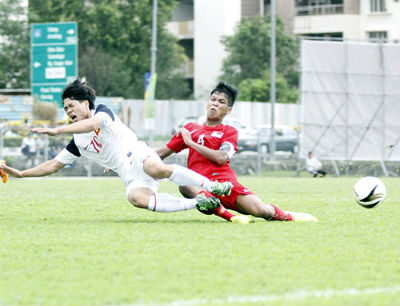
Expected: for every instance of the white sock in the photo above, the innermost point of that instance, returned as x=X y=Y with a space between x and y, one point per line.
x=184 y=177
x=164 y=202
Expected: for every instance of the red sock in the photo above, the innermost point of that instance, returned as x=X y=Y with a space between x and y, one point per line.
x=280 y=215
x=220 y=211
x=223 y=213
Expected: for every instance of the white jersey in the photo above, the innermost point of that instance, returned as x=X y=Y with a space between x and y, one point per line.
x=113 y=145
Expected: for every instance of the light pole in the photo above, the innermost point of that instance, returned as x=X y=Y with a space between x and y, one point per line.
x=153 y=77
x=154 y=39
x=272 y=81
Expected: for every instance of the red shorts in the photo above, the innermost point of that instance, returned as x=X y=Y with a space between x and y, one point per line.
x=238 y=189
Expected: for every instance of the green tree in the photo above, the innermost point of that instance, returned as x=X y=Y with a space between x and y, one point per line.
x=115 y=41
x=259 y=89
x=248 y=59
x=14 y=45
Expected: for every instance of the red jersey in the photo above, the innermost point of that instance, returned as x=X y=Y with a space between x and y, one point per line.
x=212 y=137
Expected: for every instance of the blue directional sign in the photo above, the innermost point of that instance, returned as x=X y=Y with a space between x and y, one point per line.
x=54 y=59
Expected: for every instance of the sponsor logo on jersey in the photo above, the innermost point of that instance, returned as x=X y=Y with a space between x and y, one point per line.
x=217 y=134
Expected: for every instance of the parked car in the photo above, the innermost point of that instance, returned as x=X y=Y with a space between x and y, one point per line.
x=286 y=138
x=247 y=142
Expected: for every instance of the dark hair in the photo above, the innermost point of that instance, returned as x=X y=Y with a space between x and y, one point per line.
x=78 y=90
x=230 y=91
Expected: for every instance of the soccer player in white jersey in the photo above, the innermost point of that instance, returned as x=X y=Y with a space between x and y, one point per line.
x=99 y=135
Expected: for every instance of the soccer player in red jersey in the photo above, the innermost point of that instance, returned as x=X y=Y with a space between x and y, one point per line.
x=211 y=147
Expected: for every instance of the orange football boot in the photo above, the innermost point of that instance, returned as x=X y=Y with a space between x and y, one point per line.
x=4 y=176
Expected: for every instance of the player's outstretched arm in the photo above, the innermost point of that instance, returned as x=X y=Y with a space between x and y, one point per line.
x=83 y=126
x=43 y=169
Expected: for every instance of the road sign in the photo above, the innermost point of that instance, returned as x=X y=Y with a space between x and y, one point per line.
x=54 y=59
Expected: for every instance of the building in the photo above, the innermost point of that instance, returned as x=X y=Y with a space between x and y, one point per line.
x=364 y=20
x=201 y=24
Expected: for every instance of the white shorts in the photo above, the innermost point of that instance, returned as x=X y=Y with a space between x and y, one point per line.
x=135 y=177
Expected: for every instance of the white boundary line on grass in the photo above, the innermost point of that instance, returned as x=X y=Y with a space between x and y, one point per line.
x=294 y=295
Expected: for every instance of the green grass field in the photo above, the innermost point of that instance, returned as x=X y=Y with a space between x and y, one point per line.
x=79 y=242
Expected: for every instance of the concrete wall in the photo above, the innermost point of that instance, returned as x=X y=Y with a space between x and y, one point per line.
x=250 y=8
x=213 y=19
x=352 y=7
x=349 y=25
x=285 y=10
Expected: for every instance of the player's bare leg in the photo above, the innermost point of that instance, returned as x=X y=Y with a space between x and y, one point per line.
x=251 y=204
x=189 y=191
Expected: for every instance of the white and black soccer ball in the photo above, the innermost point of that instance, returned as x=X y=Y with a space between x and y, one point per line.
x=369 y=191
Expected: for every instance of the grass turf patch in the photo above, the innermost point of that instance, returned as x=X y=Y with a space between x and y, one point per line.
x=79 y=242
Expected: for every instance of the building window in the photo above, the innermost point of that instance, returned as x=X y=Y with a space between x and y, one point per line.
x=184 y=11
x=377 y=5
x=319 y=7
x=377 y=36
x=337 y=36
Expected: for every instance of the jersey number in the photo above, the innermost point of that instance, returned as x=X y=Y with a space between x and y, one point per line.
x=95 y=142
x=201 y=139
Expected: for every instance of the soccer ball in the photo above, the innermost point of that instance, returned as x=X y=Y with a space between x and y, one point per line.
x=369 y=191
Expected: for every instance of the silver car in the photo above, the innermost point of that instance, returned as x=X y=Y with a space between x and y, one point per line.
x=286 y=138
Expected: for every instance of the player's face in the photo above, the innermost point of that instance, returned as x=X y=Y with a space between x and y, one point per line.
x=218 y=106
x=76 y=110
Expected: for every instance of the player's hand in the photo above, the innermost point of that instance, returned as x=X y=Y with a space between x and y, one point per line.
x=106 y=170
x=11 y=171
x=187 y=137
x=48 y=131
x=180 y=132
